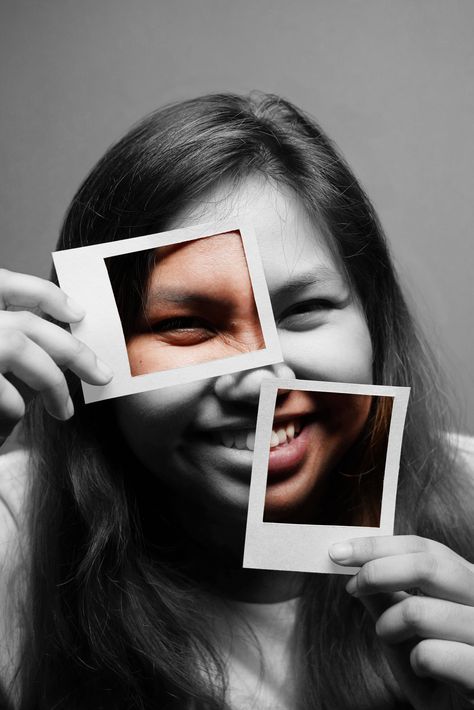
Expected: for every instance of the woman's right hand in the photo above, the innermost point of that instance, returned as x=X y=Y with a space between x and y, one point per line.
x=37 y=351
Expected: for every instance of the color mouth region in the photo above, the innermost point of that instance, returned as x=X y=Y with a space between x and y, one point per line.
x=288 y=444
x=282 y=435
x=287 y=455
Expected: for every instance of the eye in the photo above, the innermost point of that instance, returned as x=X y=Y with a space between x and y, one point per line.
x=306 y=314
x=183 y=330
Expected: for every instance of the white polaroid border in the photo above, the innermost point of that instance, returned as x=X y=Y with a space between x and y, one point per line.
x=302 y=547
x=83 y=275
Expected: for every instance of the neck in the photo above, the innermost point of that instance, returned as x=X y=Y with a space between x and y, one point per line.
x=260 y=586
x=217 y=551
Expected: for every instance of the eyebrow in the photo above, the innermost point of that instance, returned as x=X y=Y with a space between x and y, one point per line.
x=321 y=275
x=178 y=297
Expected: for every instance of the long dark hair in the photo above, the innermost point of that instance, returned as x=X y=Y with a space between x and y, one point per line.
x=115 y=615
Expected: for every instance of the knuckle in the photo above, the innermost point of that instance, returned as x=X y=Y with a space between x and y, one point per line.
x=368 y=547
x=57 y=380
x=412 y=610
x=77 y=349
x=368 y=576
x=25 y=318
x=417 y=543
x=53 y=291
x=422 y=658
x=14 y=340
x=46 y=293
x=427 y=567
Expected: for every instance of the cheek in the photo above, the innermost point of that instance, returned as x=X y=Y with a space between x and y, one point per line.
x=147 y=354
x=346 y=417
x=347 y=414
x=331 y=353
x=153 y=423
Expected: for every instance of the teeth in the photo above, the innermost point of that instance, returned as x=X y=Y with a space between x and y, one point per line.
x=227 y=438
x=240 y=440
x=274 y=441
x=284 y=436
x=245 y=439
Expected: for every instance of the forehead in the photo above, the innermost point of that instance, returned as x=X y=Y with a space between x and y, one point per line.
x=209 y=252
x=211 y=265
x=291 y=245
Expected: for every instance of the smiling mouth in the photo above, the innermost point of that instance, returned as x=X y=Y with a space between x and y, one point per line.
x=282 y=435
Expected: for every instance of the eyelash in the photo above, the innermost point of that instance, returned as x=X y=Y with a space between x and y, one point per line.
x=181 y=323
x=308 y=307
x=192 y=323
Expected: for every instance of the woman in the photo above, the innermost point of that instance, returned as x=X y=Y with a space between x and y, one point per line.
x=131 y=588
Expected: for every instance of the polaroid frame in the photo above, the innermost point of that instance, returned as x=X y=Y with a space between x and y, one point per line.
x=303 y=547
x=83 y=275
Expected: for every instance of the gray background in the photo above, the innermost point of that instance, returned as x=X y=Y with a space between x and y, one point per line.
x=391 y=81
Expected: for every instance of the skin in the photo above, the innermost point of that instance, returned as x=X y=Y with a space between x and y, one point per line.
x=429 y=639
x=315 y=313
x=199 y=307
x=36 y=352
x=338 y=422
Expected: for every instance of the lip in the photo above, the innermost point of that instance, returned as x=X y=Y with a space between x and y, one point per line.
x=237 y=463
x=284 y=459
x=285 y=417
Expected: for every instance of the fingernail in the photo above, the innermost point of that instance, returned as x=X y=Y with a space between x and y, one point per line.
x=351 y=586
x=340 y=552
x=104 y=370
x=76 y=310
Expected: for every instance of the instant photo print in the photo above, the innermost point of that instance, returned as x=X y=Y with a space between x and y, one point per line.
x=325 y=469
x=171 y=306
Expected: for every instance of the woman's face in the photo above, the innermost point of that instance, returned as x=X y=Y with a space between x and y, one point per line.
x=198 y=438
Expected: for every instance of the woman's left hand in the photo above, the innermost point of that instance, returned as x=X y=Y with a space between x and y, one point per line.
x=429 y=636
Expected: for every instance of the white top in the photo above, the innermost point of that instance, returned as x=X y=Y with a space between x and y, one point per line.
x=255 y=639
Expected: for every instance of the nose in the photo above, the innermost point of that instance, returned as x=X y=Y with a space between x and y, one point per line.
x=244 y=386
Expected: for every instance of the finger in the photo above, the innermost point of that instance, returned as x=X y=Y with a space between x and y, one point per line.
x=31 y=364
x=377 y=604
x=438 y=576
x=427 y=618
x=26 y=291
x=12 y=407
x=446 y=661
x=66 y=350
x=358 y=551
x=422 y=693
